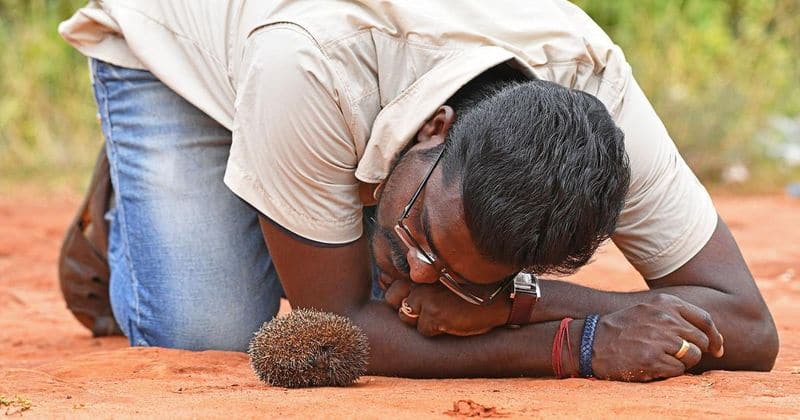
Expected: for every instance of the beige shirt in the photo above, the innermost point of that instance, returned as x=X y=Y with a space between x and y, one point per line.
x=322 y=94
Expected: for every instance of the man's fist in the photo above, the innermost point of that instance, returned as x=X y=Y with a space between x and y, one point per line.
x=640 y=343
x=436 y=310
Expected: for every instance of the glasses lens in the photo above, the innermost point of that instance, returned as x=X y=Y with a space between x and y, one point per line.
x=411 y=243
x=471 y=294
x=477 y=294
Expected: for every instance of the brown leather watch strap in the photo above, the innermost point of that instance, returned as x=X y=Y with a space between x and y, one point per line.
x=522 y=308
x=525 y=295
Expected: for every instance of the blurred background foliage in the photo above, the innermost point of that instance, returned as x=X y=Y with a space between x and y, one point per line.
x=724 y=75
x=48 y=127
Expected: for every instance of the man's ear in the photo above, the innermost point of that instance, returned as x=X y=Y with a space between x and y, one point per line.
x=437 y=127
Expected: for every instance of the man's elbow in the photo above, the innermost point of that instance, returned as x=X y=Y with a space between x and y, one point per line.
x=767 y=344
x=764 y=343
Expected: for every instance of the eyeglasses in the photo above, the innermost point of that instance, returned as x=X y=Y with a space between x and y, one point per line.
x=476 y=294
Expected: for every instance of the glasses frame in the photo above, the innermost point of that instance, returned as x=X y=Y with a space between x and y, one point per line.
x=445 y=277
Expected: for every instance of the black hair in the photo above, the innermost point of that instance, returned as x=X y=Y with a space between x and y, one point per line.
x=542 y=169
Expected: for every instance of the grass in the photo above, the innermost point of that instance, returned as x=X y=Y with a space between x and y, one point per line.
x=15 y=405
x=48 y=130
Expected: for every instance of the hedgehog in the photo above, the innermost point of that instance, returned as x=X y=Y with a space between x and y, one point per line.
x=309 y=348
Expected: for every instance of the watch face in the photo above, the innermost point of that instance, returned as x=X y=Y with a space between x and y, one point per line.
x=523 y=280
x=526 y=283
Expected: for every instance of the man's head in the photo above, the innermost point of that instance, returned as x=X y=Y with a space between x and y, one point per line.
x=532 y=176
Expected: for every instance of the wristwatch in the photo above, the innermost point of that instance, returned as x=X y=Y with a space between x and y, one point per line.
x=524 y=297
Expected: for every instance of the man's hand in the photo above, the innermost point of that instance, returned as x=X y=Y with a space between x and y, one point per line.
x=639 y=343
x=442 y=312
x=716 y=279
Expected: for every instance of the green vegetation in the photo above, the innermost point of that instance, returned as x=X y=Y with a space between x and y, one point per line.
x=48 y=127
x=717 y=71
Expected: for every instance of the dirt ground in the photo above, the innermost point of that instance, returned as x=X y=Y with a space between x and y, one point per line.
x=51 y=367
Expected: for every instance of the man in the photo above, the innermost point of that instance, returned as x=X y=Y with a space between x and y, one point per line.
x=491 y=138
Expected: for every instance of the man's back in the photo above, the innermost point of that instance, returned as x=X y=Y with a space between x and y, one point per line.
x=378 y=69
x=381 y=48
x=193 y=46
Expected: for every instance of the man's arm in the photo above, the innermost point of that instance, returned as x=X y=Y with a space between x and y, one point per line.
x=716 y=279
x=337 y=279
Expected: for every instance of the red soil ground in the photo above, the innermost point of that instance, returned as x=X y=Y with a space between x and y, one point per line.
x=48 y=359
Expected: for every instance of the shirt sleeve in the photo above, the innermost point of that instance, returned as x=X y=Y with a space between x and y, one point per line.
x=668 y=215
x=292 y=155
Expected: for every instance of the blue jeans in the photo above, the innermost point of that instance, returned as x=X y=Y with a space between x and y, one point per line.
x=189 y=268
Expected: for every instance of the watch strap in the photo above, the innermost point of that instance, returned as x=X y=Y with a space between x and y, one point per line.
x=522 y=308
x=524 y=299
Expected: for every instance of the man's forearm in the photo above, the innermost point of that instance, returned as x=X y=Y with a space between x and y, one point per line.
x=562 y=299
x=341 y=284
x=399 y=350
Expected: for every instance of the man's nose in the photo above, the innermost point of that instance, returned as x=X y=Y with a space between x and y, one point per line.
x=419 y=270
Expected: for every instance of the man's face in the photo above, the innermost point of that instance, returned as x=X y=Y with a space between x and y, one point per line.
x=436 y=222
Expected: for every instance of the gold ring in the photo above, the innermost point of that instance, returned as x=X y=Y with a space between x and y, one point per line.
x=683 y=350
x=405 y=308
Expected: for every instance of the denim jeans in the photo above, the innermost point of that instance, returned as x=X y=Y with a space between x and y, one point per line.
x=189 y=268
